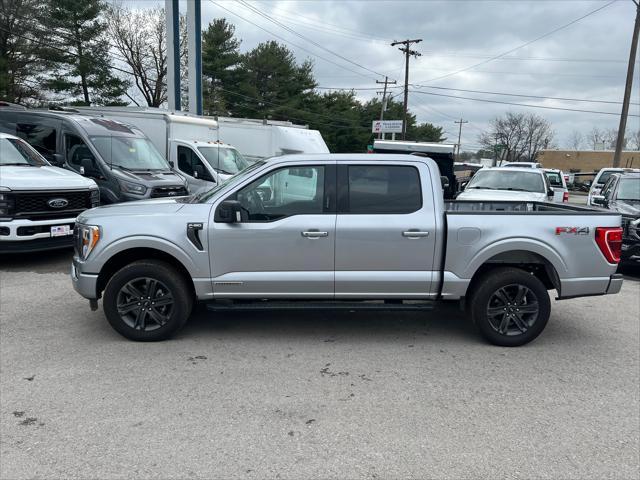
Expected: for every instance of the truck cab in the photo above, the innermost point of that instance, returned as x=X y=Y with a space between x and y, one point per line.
x=206 y=164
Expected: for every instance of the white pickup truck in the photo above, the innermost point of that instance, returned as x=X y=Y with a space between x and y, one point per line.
x=341 y=231
x=38 y=202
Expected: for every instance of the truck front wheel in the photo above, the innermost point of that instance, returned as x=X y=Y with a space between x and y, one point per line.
x=510 y=307
x=147 y=301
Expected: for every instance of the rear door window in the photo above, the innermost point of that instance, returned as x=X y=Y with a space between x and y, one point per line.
x=375 y=189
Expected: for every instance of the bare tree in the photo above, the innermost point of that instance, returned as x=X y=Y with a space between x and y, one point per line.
x=595 y=138
x=575 y=140
x=521 y=136
x=634 y=140
x=139 y=36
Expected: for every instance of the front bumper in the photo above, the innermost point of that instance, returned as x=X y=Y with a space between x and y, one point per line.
x=86 y=284
x=22 y=235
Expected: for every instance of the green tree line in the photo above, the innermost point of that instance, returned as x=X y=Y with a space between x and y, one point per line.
x=70 y=52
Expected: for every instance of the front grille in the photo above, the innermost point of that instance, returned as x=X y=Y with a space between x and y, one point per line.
x=35 y=205
x=170 y=191
x=27 y=231
x=4 y=231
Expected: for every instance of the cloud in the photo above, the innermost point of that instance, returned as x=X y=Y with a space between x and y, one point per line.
x=590 y=56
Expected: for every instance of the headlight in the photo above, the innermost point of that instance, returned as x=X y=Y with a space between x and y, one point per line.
x=87 y=239
x=135 y=188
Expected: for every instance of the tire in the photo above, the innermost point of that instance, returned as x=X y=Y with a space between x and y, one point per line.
x=147 y=301
x=510 y=307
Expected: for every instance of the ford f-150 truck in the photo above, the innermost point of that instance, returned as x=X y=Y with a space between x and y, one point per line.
x=341 y=231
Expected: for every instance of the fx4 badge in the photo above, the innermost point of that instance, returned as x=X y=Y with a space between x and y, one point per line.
x=572 y=230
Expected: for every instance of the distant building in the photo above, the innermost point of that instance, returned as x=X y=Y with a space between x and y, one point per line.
x=586 y=160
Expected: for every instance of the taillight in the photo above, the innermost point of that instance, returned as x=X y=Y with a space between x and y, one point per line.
x=609 y=239
x=565 y=197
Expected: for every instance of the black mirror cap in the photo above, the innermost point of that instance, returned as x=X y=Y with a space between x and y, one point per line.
x=172 y=164
x=229 y=211
x=444 y=181
x=550 y=193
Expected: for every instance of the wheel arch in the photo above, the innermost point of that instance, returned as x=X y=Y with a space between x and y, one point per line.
x=130 y=255
x=532 y=262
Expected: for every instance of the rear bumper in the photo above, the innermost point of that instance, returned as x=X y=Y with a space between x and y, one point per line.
x=586 y=287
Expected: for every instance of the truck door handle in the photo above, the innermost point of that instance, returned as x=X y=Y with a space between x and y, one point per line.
x=314 y=234
x=415 y=234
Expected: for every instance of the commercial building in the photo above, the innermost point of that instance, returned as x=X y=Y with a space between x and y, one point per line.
x=586 y=160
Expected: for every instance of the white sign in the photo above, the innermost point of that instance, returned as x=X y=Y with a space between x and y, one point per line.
x=386 y=126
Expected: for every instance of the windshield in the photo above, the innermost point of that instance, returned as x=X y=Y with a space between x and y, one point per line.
x=14 y=151
x=629 y=189
x=203 y=197
x=554 y=179
x=507 y=180
x=130 y=153
x=224 y=160
x=605 y=176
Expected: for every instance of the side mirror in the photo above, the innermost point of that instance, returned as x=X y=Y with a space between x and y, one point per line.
x=550 y=193
x=444 y=181
x=88 y=167
x=598 y=200
x=198 y=171
x=229 y=211
x=58 y=159
x=172 y=164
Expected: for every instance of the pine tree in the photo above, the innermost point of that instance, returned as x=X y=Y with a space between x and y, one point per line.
x=78 y=53
x=220 y=57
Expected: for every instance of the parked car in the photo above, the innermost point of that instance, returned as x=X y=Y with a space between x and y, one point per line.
x=601 y=178
x=621 y=194
x=464 y=172
x=558 y=182
x=522 y=164
x=118 y=157
x=189 y=142
x=355 y=231
x=508 y=183
x=38 y=202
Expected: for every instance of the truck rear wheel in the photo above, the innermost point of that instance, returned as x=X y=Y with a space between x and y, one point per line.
x=510 y=307
x=147 y=301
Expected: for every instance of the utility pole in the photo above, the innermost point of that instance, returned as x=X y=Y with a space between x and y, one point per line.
x=627 y=89
x=407 y=52
x=384 y=100
x=461 y=121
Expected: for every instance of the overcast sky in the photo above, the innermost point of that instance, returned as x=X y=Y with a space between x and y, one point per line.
x=586 y=60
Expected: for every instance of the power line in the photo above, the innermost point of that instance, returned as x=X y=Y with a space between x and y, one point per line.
x=495 y=57
x=525 y=59
x=289 y=42
x=518 y=104
x=541 y=97
x=303 y=37
x=300 y=18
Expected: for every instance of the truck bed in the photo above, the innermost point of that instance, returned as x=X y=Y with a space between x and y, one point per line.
x=497 y=207
x=558 y=236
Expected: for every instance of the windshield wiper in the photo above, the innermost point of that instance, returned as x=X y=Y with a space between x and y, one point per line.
x=514 y=189
x=16 y=164
x=483 y=188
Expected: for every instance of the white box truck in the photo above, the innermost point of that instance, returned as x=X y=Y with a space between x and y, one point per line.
x=258 y=139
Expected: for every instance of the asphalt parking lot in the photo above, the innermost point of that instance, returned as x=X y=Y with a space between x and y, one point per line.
x=318 y=395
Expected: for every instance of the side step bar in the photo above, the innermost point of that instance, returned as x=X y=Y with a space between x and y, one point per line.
x=291 y=306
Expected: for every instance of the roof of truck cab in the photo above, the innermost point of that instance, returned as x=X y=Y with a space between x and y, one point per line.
x=92 y=125
x=349 y=157
x=6 y=135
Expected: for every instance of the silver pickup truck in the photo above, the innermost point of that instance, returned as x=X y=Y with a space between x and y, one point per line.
x=341 y=232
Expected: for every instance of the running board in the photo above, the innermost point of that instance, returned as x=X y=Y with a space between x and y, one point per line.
x=289 y=306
